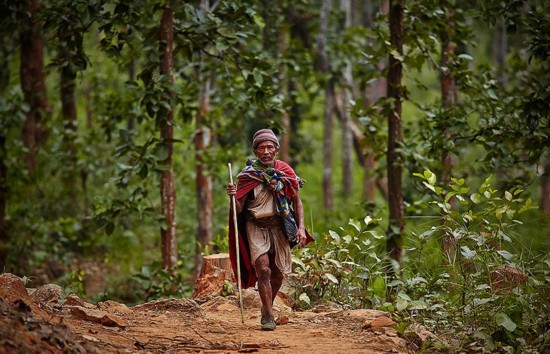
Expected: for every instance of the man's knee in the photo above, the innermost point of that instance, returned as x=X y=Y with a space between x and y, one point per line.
x=264 y=272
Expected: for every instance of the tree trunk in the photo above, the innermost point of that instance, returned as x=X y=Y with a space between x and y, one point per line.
x=32 y=83
x=545 y=188
x=449 y=97
x=68 y=108
x=205 y=204
x=131 y=76
x=329 y=105
x=4 y=239
x=449 y=93
x=167 y=190
x=367 y=13
x=395 y=73
x=215 y=271
x=347 y=138
x=282 y=45
x=373 y=92
x=499 y=50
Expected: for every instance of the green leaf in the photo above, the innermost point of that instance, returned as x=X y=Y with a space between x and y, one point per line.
x=430 y=176
x=355 y=224
x=505 y=254
x=416 y=174
x=377 y=235
x=432 y=188
x=331 y=277
x=476 y=198
x=508 y=196
x=298 y=261
x=334 y=235
x=367 y=220
x=258 y=20
x=226 y=32
x=303 y=297
x=467 y=252
x=379 y=286
x=503 y=320
x=404 y=296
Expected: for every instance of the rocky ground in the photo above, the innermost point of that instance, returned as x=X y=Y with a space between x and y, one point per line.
x=41 y=321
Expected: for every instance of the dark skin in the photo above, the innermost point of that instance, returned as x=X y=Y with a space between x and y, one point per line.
x=270 y=277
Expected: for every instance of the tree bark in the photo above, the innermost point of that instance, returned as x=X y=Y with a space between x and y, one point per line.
x=33 y=83
x=167 y=190
x=499 y=50
x=347 y=138
x=449 y=92
x=395 y=73
x=545 y=188
x=373 y=92
x=449 y=97
x=282 y=45
x=324 y=67
x=4 y=239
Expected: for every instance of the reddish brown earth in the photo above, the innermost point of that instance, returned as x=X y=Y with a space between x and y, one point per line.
x=45 y=323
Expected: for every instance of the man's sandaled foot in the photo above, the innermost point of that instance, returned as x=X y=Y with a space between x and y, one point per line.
x=269 y=324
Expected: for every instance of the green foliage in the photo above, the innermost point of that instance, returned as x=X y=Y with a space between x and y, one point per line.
x=156 y=282
x=342 y=267
x=448 y=277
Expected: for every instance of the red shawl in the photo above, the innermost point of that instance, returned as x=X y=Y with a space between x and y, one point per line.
x=244 y=185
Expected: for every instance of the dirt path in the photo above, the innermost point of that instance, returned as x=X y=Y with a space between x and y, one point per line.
x=184 y=326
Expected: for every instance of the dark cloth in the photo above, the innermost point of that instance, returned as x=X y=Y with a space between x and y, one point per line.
x=246 y=182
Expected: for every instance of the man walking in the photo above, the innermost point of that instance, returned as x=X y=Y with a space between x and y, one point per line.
x=266 y=192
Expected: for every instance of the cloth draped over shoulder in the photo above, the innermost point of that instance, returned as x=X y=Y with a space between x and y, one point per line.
x=288 y=185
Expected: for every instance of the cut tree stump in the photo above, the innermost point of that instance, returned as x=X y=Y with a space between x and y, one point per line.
x=215 y=270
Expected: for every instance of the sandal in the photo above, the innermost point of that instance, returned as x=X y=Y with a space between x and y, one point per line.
x=269 y=324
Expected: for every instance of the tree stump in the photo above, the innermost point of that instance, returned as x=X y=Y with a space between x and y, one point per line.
x=215 y=270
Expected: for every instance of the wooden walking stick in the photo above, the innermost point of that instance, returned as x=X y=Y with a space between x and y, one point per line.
x=236 y=227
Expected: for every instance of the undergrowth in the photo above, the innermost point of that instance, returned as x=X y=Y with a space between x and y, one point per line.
x=467 y=278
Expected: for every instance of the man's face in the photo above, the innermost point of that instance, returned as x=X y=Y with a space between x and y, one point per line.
x=266 y=152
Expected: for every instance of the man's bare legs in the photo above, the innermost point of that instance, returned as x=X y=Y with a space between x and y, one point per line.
x=270 y=279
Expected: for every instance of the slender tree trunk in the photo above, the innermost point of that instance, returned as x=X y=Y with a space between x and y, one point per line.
x=167 y=190
x=499 y=50
x=449 y=94
x=449 y=97
x=68 y=108
x=205 y=204
x=282 y=45
x=367 y=13
x=4 y=239
x=32 y=83
x=131 y=76
x=373 y=92
x=545 y=188
x=347 y=138
x=395 y=73
x=329 y=104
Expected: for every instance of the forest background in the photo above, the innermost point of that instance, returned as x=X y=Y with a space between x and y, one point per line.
x=421 y=128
